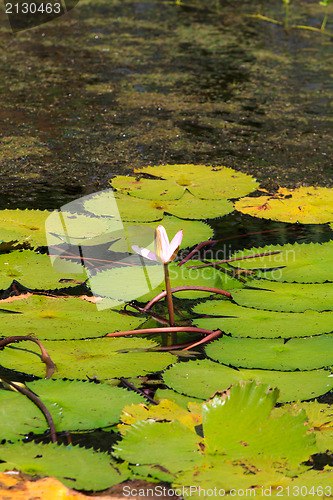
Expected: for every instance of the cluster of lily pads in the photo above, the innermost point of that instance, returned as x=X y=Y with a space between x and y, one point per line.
x=275 y=327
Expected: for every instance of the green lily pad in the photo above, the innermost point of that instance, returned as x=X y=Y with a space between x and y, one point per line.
x=143 y=283
x=303 y=263
x=210 y=183
x=306 y=205
x=179 y=445
x=287 y=297
x=79 y=406
x=35 y=271
x=202 y=378
x=142 y=210
x=247 y=322
x=62 y=318
x=19 y=416
x=72 y=465
x=77 y=229
x=104 y=358
x=128 y=208
x=27 y=225
x=273 y=354
x=239 y=426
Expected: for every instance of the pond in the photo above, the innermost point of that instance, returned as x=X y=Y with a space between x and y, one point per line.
x=112 y=87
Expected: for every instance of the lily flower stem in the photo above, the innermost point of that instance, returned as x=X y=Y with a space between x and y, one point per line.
x=171 y=338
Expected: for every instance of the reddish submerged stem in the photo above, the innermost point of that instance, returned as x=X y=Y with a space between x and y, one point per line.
x=166 y=329
x=187 y=287
x=50 y=366
x=39 y=403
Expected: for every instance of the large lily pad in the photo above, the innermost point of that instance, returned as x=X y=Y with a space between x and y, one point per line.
x=77 y=405
x=293 y=297
x=94 y=359
x=307 y=205
x=129 y=208
x=247 y=322
x=77 y=229
x=62 y=318
x=19 y=416
x=273 y=354
x=72 y=465
x=239 y=426
x=305 y=263
x=179 y=445
x=210 y=183
x=27 y=225
x=35 y=271
x=202 y=378
x=142 y=210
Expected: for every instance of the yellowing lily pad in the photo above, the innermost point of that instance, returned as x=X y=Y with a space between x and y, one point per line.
x=306 y=205
x=205 y=182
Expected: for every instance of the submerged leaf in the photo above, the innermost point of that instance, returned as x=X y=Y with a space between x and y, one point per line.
x=306 y=205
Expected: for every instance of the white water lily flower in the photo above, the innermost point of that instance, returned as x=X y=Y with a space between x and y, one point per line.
x=164 y=251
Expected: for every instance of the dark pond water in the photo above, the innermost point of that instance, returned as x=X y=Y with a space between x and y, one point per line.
x=116 y=85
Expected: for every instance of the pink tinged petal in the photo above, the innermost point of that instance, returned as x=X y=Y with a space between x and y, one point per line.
x=174 y=245
x=144 y=252
x=161 y=244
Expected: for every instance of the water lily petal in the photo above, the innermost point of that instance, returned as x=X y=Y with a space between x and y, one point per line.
x=161 y=244
x=144 y=252
x=175 y=244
